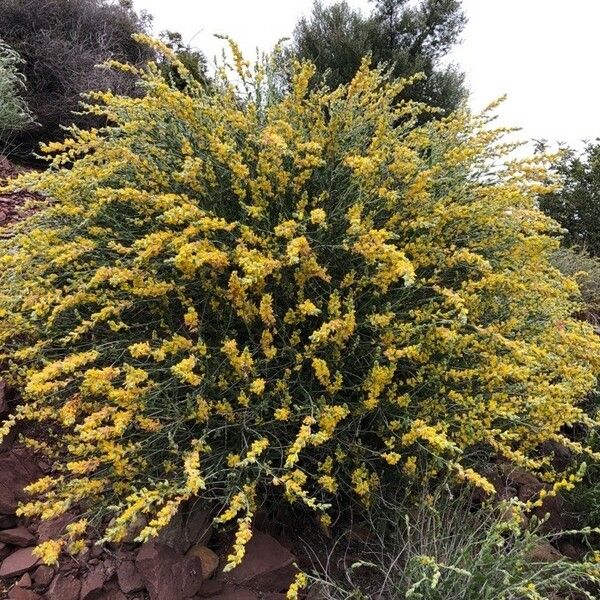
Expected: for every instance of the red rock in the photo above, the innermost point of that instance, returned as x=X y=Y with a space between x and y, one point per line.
x=18 y=593
x=18 y=562
x=211 y=588
x=209 y=560
x=52 y=529
x=190 y=526
x=8 y=502
x=129 y=577
x=168 y=574
x=111 y=592
x=4 y=551
x=25 y=581
x=267 y=565
x=3 y=400
x=8 y=521
x=545 y=552
x=18 y=536
x=18 y=468
x=64 y=587
x=43 y=576
x=235 y=593
x=573 y=551
x=93 y=582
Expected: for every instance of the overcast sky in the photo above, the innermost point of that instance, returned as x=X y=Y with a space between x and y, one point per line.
x=542 y=53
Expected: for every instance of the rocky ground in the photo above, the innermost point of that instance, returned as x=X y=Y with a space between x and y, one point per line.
x=184 y=562
x=12 y=206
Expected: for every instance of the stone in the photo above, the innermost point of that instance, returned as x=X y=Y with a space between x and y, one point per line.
x=573 y=551
x=8 y=521
x=3 y=398
x=96 y=551
x=64 y=587
x=209 y=560
x=4 y=551
x=168 y=574
x=18 y=468
x=544 y=552
x=43 y=576
x=18 y=536
x=129 y=577
x=134 y=530
x=25 y=581
x=190 y=526
x=111 y=592
x=517 y=476
x=19 y=593
x=18 y=562
x=8 y=502
x=211 y=588
x=562 y=457
x=93 y=582
x=317 y=591
x=267 y=565
x=235 y=593
x=52 y=529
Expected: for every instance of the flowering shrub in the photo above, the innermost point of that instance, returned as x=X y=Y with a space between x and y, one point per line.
x=239 y=289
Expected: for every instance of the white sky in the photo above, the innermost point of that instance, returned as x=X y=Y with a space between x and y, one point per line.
x=542 y=53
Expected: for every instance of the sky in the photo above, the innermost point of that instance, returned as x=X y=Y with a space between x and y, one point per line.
x=541 y=53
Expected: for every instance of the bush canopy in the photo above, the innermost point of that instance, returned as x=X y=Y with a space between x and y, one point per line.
x=239 y=292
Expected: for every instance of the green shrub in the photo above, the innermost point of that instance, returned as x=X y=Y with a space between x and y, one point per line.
x=446 y=548
x=238 y=294
x=14 y=112
x=586 y=270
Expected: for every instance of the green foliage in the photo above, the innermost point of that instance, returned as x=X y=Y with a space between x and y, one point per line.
x=239 y=295
x=410 y=39
x=193 y=60
x=446 y=548
x=585 y=498
x=586 y=269
x=14 y=112
x=577 y=205
x=61 y=42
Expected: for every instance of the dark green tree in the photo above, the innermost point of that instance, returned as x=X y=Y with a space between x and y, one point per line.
x=577 y=205
x=192 y=58
x=408 y=38
x=61 y=42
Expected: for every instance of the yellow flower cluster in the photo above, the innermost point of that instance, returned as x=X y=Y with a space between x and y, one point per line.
x=304 y=290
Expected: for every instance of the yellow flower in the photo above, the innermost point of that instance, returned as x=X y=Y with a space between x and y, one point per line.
x=49 y=552
x=282 y=413
x=258 y=386
x=300 y=582
x=318 y=216
x=184 y=370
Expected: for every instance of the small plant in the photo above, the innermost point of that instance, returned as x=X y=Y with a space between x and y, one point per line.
x=240 y=291
x=446 y=548
x=14 y=112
